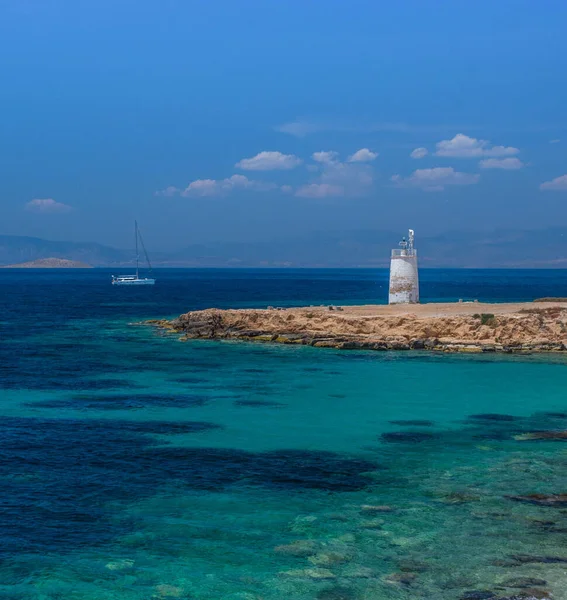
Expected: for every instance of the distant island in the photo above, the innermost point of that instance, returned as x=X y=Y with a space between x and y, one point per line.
x=539 y=326
x=50 y=263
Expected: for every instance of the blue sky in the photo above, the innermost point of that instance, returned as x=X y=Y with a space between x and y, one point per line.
x=223 y=120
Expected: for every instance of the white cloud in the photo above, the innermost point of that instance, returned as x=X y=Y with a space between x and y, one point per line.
x=363 y=155
x=326 y=158
x=286 y=189
x=463 y=146
x=319 y=190
x=336 y=178
x=269 y=161
x=221 y=187
x=554 y=141
x=435 y=180
x=508 y=164
x=217 y=187
x=419 y=153
x=168 y=191
x=559 y=184
x=47 y=205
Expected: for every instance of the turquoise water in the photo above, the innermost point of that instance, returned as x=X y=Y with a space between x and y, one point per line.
x=137 y=466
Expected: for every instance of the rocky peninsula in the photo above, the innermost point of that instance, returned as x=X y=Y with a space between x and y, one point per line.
x=539 y=326
x=49 y=263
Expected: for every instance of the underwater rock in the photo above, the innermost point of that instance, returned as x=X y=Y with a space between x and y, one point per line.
x=358 y=572
x=299 y=548
x=338 y=592
x=338 y=517
x=346 y=538
x=523 y=582
x=407 y=437
x=402 y=578
x=553 y=500
x=460 y=498
x=530 y=594
x=542 y=435
x=478 y=595
x=315 y=573
x=372 y=524
x=119 y=565
x=328 y=559
x=370 y=508
x=165 y=590
x=415 y=566
x=524 y=559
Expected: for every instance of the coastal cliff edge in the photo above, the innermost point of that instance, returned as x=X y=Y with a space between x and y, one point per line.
x=452 y=327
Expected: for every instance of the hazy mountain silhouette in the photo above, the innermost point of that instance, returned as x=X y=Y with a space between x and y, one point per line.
x=363 y=248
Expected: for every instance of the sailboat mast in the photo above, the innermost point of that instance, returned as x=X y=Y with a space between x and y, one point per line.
x=137 y=255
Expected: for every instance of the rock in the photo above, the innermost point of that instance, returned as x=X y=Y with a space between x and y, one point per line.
x=314 y=573
x=372 y=524
x=119 y=565
x=306 y=519
x=523 y=582
x=165 y=590
x=459 y=498
x=478 y=595
x=338 y=592
x=415 y=566
x=370 y=508
x=531 y=594
x=554 y=436
x=338 y=517
x=402 y=578
x=524 y=559
x=299 y=548
x=553 y=500
x=328 y=559
x=358 y=572
x=346 y=538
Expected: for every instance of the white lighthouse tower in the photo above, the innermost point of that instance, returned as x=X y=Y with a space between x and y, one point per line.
x=404 y=280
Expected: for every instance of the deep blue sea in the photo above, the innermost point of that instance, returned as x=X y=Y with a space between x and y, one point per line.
x=135 y=466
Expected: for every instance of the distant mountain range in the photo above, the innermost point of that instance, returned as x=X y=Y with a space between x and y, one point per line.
x=365 y=248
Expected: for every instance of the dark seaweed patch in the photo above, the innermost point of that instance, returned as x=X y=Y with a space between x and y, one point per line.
x=123 y=401
x=266 y=403
x=497 y=417
x=552 y=415
x=408 y=437
x=63 y=382
x=413 y=423
x=76 y=468
x=191 y=380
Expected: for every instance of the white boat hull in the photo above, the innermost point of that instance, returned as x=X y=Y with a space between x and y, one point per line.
x=145 y=281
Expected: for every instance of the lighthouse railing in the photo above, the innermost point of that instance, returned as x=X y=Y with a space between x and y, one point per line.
x=404 y=252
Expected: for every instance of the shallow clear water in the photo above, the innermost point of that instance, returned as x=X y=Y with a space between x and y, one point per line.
x=136 y=466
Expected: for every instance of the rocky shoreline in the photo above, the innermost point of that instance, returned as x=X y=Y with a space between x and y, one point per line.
x=457 y=327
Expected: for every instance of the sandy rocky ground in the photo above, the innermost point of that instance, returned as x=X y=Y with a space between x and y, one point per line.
x=452 y=327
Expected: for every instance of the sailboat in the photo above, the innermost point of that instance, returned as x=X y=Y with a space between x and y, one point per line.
x=136 y=279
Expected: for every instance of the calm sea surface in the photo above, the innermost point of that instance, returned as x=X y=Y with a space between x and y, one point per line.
x=134 y=466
